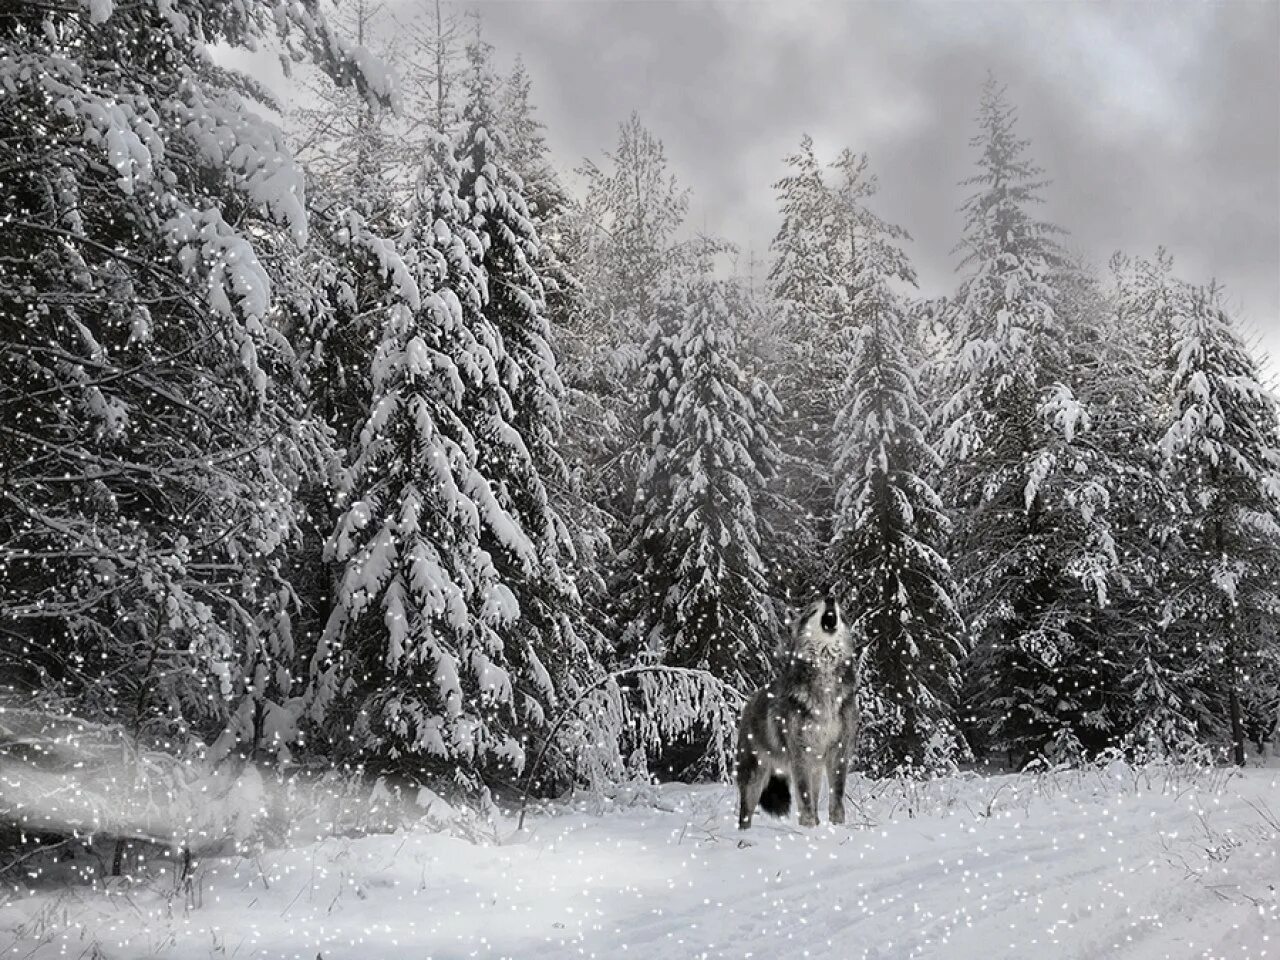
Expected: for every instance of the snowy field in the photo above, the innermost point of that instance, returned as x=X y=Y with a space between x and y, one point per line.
x=1105 y=863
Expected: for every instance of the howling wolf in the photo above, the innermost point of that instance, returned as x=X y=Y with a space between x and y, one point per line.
x=802 y=722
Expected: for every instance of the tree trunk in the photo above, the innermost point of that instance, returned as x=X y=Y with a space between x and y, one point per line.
x=1233 y=660
x=1233 y=694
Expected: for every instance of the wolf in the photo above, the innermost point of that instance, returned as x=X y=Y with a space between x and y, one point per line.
x=802 y=723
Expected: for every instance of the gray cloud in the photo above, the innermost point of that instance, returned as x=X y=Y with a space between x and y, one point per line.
x=1159 y=123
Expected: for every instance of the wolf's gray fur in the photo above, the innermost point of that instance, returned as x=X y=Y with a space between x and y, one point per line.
x=802 y=723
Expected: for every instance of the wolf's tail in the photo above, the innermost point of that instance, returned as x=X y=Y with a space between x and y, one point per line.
x=776 y=798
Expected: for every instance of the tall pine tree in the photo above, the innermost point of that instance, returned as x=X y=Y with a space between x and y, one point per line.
x=810 y=268
x=1033 y=544
x=456 y=628
x=693 y=588
x=889 y=523
x=1166 y=713
x=1222 y=442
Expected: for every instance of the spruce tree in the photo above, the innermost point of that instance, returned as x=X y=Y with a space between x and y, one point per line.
x=809 y=268
x=693 y=585
x=457 y=627
x=1033 y=543
x=622 y=241
x=519 y=446
x=1222 y=442
x=889 y=523
x=414 y=664
x=1166 y=713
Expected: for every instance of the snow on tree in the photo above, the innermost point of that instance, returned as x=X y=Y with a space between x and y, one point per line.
x=1033 y=545
x=810 y=266
x=889 y=524
x=152 y=441
x=412 y=657
x=1164 y=713
x=519 y=448
x=1222 y=445
x=693 y=586
x=458 y=627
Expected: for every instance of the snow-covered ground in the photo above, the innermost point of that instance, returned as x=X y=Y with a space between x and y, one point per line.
x=1105 y=863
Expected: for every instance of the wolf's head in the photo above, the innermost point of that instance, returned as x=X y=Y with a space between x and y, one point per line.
x=821 y=633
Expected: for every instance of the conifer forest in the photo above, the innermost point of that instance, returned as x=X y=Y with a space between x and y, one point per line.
x=376 y=470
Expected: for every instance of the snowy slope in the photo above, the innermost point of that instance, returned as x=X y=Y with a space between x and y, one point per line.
x=1107 y=863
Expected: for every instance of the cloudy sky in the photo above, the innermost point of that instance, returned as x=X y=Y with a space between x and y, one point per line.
x=1158 y=122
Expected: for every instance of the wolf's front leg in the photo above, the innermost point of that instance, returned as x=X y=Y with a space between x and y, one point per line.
x=837 y=769
x=805 y=771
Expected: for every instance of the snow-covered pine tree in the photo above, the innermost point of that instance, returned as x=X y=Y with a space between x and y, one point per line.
x=693 y=586
x=1164 y=711
x=805 y=280
x=412 y=663
x=151 y=445
x=889 y=524
x=1033 y=545
x=362 y=169
x=454 y=633
x=622 y=242
x=519 y=448
x=465 y=685
x=1223 y=443
x=566 y=304
x=371 y=169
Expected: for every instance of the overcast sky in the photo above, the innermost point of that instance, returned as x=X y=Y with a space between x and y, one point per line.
x=1158 y=122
